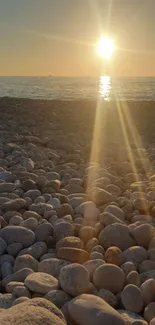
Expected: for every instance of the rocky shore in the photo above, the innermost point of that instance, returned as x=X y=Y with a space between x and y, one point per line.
x=77 y=212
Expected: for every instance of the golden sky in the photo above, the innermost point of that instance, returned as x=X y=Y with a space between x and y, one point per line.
x=58 y=37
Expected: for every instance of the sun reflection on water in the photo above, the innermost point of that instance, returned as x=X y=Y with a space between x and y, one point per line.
x=105 y=87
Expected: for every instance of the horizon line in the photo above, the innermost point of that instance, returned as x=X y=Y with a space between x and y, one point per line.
x=76 y=76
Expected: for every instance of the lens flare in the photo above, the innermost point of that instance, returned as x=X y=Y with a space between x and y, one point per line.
x=105 y=47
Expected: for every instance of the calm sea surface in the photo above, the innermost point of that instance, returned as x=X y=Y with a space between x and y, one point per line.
x=135 y=89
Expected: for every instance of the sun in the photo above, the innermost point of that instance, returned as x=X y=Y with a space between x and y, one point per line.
x=105 y=47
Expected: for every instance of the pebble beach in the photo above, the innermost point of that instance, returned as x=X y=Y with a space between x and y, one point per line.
x=77 y=212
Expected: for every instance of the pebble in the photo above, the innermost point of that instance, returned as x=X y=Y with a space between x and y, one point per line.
x=116 y=211
x=19 y=300
x=41 y=282
x=17 y=234
x=30 y=223
x=36 y=250
x=100 y=196
x=74 y=255
x=17 y=276
x=43 y=232
x=6 y=258
x=11 y=285
x=86 y=233
x=92 y=265
x=6 y=269
x=15 y=204
x=98 y=249
x=63 y=229
x=116 y=235
x=110 y=277
x=149 y=312
x=25 y=261
x=114 y=255
x=143 y=234
x=93 y=242
x=148 y=291
x=74 y=279
x=96 y=255
x=146 y=265
x=71 y=241
x=135 y=254
x=89 y=310
x=20 y=291
x=58 y=297
x=31 y=214
x=52 y=266
x=25 y=313
x=3 y=246
x=133 y=278
x=108 y=296
x=6 y=300
x=132 y=299
x=128 y=267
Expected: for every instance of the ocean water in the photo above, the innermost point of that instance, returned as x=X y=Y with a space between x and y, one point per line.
x=135 y=89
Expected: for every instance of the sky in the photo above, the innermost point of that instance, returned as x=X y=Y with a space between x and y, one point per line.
x=58 y=37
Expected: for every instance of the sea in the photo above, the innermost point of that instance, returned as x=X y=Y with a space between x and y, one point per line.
x=75 y=88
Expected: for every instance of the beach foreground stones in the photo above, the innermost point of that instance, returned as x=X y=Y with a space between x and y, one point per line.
x=77 y=235
x=90 y=310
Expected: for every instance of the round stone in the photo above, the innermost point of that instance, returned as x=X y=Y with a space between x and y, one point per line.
x=19 y=276
x=92 y=265
x=6 y=300
x=146 y=266
x=133 y=278
x=36 y=250
x=143 y=234
x=132 y=299
x=58 y=297
x=116 y=211
x=149 y=312
x=148 y=291
x=71 y=241
x=64 y=210
x=3 y=246
x=41 y=282
x=89 y=310
x=63 y=229
x=30 y=223
x=52 y=266
x=21 y=291
x=107 y=218
x=11 y=285
x=100 y=196
x=116 y=235
x=135 y=254
x=43 y=231
x=25 y=261
x=74 y=279
x=96 y=255
x=19 y=300
x=93 y=242
x=98 y=249
x=128 y=267
x=110 y=277
x=86 y=233
x=15 y=221
x=108 y=296
x=114 y=255
x=74 y=255
x=17 y=234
